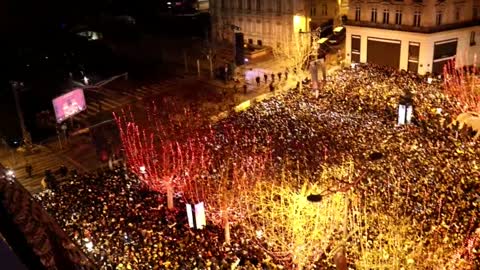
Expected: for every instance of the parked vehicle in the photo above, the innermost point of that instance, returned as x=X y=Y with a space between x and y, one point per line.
x=326 y=29
x=338 y=35
x=323 y=46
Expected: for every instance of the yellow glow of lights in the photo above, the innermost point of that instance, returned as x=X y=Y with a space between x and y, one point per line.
x=291 y=224
x=299 y=23
x=242 y=106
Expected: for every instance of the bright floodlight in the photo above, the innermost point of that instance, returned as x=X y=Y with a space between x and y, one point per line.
x=89 y=246
x=10 y=173
x=143 y=170
x=86 y=80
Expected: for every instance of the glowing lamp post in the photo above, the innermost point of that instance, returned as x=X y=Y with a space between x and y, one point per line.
x=143 y=172
x=27 y=139
x=196 y=215
x=405 y=110
x=89 y=246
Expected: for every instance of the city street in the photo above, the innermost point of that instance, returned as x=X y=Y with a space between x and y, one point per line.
x=214 y=96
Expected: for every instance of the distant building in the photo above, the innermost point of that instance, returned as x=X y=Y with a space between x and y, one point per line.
x=263 y=22
x=269 y=22
x=415 y=35
x=321 y=11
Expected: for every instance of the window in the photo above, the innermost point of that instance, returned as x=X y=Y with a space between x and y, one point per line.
x=224 y=6
x=374 y=15
x=413 y=51
x=438 y=19
x=279 y=6
x=313 y=11
x=240 y=4
x=472 y=38
x=324 y=9
x=289 y=6
x=259 y=5
x=413 y=56
x=386 y=16
x=355 y=52
x=416 y=18
x=398 y=17
x=249 y=5
x=457 y=14
x=357 y=14
x=475 y=12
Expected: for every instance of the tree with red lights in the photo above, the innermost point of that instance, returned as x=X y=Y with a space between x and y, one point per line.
x=161 y=155
x=463 y=85
x=234 y=170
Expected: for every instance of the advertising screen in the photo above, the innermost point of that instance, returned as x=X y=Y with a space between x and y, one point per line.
x=69 y=104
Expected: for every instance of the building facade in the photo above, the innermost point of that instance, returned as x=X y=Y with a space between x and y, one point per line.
x=263 y=22
x=415 y=35
x=321 y=11
x=270 y=21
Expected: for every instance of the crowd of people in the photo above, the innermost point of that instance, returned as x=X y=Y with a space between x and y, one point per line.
x=124 y=226
x=426 y=172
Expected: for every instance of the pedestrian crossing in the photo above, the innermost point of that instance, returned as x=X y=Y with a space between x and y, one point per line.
x=110 y=99
x=41 y=161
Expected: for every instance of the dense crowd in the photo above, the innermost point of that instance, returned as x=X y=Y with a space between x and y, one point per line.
x=123 y=226
x=426 y=172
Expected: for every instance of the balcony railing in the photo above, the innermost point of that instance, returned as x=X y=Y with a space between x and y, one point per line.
x=417 y=29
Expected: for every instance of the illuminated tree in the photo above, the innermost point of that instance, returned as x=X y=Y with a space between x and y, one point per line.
x=162 y=156
x=232 y=175
x=296 y=50
x=380 y=241
x=291 y=226
x=463 y=85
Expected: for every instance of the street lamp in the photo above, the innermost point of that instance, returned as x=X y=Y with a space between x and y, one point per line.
x=405 y=109
x=27 y=139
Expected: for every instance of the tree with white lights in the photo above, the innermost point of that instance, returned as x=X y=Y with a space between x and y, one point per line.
x=296 y=50
x=298 y=219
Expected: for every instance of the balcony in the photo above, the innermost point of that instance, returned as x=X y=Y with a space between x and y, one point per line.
x=410 y=28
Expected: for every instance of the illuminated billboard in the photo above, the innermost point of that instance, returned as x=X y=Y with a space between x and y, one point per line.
x=69 y=104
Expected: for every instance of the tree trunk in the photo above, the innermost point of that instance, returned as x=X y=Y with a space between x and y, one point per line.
x=340 y=257
x=211 y=66
x=170 y=197
x=341 y=260
x=198 y=67
x=226 y=225
x=185 y=61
